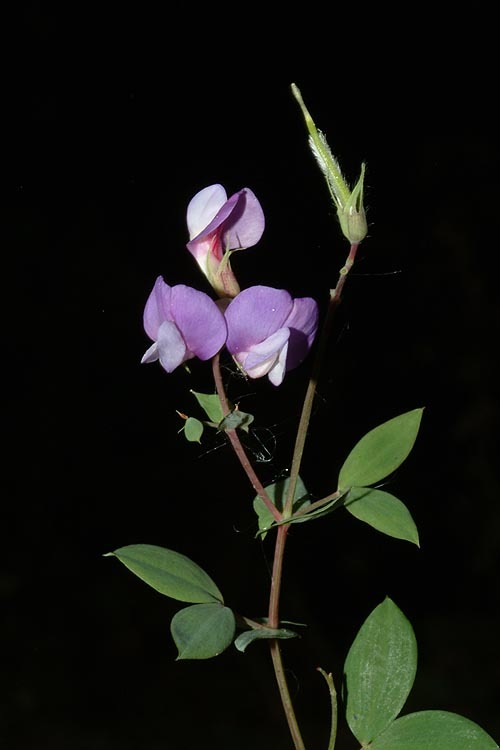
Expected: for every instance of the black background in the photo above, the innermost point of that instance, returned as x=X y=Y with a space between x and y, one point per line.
x=119 y=118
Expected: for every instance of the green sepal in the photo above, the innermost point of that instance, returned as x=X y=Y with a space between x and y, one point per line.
x=248 y=636
x=379 y=671
x=169 y=573
x=381 y=451
x=433 y=730
x=383 y=512
x=203 y=630
x=352 y=216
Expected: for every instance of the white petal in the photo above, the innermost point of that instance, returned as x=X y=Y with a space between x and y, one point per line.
x=261 y=358
x=203 y=208
x=277 y=373
x=151 y=355
x=171 y=347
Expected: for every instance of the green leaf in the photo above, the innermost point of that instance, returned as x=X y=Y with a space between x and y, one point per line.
x=380 y=451
x=277 y=493
x=202 y=631
x=236 y=419
x=193 y=430
x=210 y=403
x=248 y=636
x=379 y=671
x=433 y=730
x=169 y=572
x=382 y=511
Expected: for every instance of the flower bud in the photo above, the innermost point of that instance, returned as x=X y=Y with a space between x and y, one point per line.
x=349 y=203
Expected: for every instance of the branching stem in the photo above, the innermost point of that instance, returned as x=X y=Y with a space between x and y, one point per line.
x=237 y=445
x=282 y=531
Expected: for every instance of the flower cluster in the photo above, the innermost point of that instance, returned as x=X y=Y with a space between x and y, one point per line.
x=266 y=331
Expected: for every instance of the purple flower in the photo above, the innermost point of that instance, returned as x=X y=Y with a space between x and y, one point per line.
x=269 y=332
x=183 y=323
x=217 y=226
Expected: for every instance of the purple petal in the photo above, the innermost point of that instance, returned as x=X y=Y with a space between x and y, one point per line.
x=304 y=317
x=203 y=208
x=240 y=221
x=157 y=308
x=254 y=315
x=172 y=349
x=245 y=225
x=303 y=324
x=200 y=321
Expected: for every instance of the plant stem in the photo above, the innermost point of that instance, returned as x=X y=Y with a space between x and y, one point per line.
x=238 y=447
x=273 y=616
x=273 y=620
x=282 y=531
x=335 y=296
x=333 y=700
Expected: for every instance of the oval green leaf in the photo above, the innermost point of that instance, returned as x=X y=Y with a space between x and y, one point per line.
x=434 y=730
x=210 y=403
x=379 y=671
x=382 y=511
x=202 y=631
x=249 y=636
x=193 y=429
x=380 y=451
x=169 y=572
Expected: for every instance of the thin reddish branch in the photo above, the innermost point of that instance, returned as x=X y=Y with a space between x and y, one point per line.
x=237 y=445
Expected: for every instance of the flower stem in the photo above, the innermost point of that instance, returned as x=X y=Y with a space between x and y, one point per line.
x=238 y=447
x=335 y=296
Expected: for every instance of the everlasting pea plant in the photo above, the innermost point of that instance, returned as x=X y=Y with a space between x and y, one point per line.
x=264 y=332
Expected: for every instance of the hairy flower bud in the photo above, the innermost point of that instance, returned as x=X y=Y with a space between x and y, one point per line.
x=349 y=204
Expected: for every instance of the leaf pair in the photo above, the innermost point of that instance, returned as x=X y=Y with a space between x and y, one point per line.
x=200 y=631
x=379 y=672
x=205 y=629
x=377 y=455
